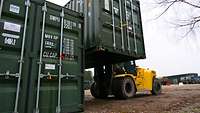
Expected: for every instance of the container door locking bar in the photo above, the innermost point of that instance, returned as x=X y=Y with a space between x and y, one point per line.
x=58 y=108
x=127 y=23
x=21 y=61
x=113 y=24
x=44 y=9
x=1 y=7
x=121 y=21
x=85 y=9
x=134 y=30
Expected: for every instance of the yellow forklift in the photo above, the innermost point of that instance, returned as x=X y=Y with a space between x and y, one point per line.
x=123 y=81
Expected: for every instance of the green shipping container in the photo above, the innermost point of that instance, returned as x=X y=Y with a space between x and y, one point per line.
x=14 y=60
x=114 y=30
x=41 y=58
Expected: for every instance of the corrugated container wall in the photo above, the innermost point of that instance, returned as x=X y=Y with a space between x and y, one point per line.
x=76 y=5
x=114 y=30
x=41 y=58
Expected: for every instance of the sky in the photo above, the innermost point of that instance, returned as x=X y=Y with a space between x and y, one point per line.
x=59 y=2
x=167 y=51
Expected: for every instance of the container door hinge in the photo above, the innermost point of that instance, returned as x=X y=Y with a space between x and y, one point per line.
x=8 y=75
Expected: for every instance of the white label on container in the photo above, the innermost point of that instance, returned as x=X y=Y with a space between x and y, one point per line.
x=52 y=37
x=50 y=54
x=50 y=66
x=107 y=4
x=10 y=41
x=12 y=27
x=49 y=44
x=68 y=24
x=14 y=9
x=10 y=35
x=54 y=18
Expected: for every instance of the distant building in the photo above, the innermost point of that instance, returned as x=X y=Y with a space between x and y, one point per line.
x=176 y=79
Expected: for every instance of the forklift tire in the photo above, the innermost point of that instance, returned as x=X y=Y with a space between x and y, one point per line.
x=124 y=88
x=157 y=87
x=97 y=93
x=94 y=91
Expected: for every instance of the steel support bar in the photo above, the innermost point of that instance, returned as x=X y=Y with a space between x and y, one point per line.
x=113 y=25
x=21 y=61
x=127 y=23
x=44 y=9
x=1 y=7
x=134 y=30
x=58 y=108
x=121 y=21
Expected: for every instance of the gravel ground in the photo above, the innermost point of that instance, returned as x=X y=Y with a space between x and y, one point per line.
x=174 y=99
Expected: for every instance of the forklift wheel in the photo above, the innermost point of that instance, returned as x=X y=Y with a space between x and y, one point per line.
x=97 y=93
x=157 y=87
x=124 y=88
x=94 y=91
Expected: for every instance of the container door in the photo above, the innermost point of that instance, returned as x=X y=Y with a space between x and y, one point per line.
x=134 y=28
x=57 y=72
x=112 y=32
x=13 y=30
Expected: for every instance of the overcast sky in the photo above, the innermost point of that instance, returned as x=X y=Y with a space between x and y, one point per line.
x=167 y=51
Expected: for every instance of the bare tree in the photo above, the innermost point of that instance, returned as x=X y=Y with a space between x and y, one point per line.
x=191 y=22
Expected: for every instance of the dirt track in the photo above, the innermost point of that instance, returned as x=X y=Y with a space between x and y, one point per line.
x=174 y=99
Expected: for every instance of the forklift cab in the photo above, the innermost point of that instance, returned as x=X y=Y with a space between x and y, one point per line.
x=125 y=68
